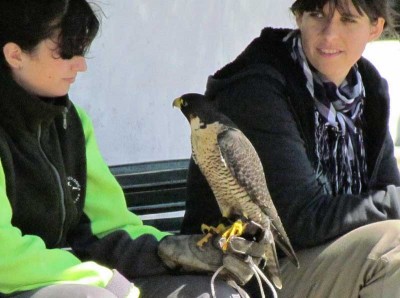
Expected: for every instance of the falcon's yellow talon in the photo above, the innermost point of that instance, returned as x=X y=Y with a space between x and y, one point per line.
x=220 y=228
x=236 y=229
x=205 y=228
x=204 y=240
x=210 y=231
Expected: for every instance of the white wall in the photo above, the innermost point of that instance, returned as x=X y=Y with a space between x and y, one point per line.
x=151 y=51
x=385 y=55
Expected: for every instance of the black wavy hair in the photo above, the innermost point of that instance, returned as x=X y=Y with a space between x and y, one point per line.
x=73 y=24
x=374 y=9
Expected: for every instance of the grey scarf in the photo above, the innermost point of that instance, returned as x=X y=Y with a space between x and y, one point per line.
x=338 y=117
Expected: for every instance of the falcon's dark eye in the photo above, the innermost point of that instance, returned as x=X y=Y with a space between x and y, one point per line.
x=184 y=103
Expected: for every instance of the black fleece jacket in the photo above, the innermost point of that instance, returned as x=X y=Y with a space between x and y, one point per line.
x=264 y=92
x=39 y=162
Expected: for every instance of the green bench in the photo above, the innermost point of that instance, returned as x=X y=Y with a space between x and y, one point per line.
x=156 y=191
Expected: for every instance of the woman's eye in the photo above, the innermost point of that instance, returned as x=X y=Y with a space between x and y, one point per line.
x=348 y=20
x=317 y=14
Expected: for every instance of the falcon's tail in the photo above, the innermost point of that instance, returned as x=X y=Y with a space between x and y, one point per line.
x=271 y=268
x=284 y=244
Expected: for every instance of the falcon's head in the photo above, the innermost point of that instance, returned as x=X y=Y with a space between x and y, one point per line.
x=199 y=110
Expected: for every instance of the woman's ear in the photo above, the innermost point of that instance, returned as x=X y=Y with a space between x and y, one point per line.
x=13 y=55
x=377 y=29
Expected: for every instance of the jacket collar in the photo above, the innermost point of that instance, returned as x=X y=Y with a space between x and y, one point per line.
x=21 y=110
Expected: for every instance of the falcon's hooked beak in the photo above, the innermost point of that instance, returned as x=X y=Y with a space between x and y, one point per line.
x=178 y=102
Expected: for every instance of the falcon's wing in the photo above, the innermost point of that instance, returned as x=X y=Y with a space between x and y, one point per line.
x=244 y=164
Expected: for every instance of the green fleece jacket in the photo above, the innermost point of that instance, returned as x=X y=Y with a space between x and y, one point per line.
x=56 y=191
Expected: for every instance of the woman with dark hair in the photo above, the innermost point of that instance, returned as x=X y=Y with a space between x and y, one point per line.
x=317 y=113
x=55 y=189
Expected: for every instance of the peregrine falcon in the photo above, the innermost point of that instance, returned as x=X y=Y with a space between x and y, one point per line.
x=235 y=174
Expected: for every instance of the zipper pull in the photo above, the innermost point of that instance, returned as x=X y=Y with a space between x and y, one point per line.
x=65 y=117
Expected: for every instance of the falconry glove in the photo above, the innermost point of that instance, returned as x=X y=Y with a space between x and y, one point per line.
x=184 y=254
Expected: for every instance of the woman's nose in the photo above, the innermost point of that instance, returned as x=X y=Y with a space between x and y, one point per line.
x=79 y=63
x=331 y=28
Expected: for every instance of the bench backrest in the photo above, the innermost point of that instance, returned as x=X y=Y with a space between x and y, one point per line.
x=156 y=191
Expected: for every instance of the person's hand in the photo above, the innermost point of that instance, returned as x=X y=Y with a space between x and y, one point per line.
x=182 y=253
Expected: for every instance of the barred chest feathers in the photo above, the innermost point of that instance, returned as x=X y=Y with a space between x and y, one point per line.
x=207 y=155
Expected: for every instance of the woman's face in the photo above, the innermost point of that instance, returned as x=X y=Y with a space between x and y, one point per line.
x=333 y=44
x=44 y=73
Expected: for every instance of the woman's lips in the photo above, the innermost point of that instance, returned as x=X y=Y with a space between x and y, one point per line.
x=329 y=52
x=70 y=80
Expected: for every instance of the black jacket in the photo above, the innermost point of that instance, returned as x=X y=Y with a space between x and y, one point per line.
x=264 y=92
x=39 y=162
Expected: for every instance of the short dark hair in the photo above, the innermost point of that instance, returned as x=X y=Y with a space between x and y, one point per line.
x=374 y=9
x=73 y=24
